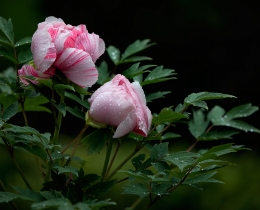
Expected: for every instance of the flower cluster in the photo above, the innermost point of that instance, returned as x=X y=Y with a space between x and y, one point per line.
x=74 y=51
x=70 y=49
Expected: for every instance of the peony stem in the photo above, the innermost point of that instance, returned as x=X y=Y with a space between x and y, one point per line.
x=109 y=150
x=137 y=148
x=58 y=123
x=55 y=135
x=112 y=161
x=75 y=139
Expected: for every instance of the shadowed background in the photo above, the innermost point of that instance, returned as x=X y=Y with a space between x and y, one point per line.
x=212 y=45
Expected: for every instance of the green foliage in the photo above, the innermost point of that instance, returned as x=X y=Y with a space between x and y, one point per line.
x=159 y=74
x=6 y=27
x=66 y=184
x=103 y=73
x=101 y=136
x=198 y=99
x=152 y=96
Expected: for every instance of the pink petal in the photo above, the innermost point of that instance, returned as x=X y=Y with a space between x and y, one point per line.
x=77 y=66
x=43 y=50
x=126 y=126
x=92 y=44
x=110 y=108
x=28 y=70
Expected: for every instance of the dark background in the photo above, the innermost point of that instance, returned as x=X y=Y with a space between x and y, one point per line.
x=214 y=45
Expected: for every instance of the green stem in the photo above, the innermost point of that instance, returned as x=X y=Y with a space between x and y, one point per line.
x=109 y=150
x=2 y=188
x=58 y=123
x=55 y=135
x=11 y=152
x=137 y=149
x=23 y=111
x=112 y=161
x=21 y=173
x=75 y=139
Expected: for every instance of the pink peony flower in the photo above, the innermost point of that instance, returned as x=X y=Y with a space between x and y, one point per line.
x=122 y=104
x=71 y=49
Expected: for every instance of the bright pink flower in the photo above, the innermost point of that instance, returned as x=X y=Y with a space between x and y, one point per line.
x=71 y=49
x=122 y=104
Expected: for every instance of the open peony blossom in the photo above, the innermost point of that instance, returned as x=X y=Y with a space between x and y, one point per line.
x=71 y=49
x=122 y=104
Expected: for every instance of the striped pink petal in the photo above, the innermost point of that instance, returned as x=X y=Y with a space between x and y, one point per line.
x=77 y=66
x=43 y=49
x=92 y=44
x=28 y=70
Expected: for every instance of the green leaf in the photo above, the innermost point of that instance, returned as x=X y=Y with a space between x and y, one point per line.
x=196 y=98
x=51 y=195
x=77 y=99
x=20 y=129
x=156 y=95
x=136 y=189
x=159 y=74
x=25 y=56
x=61 y=108
x=167 y=115
x=10 y=111
x=7 y=28
x=161 y=167
x=46 y=82
x=113 y=53
x=96 y=140
x=135 y=47
x=96 y=205
x=182 y=159
x=198 y=125
x=134 y=59
x=216 y=113
x=8 y=55
x=34 y=104
x=159 y=151
x=76 y=112
x=66 y=169
x=63 y=87
x=138 y=78
x=138 y=160
x=36 y=150
x=59 y=204
x=170 y=136
x=237 y=124
x=101 y=187
x=103 y=74
x=135 y=70
x=32 y=195
x=23 y=41
x=135 y=174
x=241 y=111
x=202 y=178
x=8 y=196
x=216 y=135
x=5 y=41
x=80 y=90
x=160 y=189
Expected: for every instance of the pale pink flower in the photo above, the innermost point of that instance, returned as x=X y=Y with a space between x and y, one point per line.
x=122 y=104
x=71 y=49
